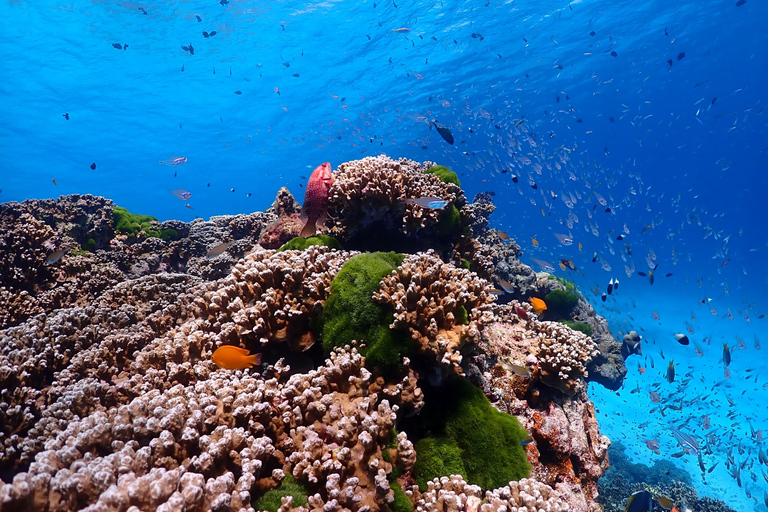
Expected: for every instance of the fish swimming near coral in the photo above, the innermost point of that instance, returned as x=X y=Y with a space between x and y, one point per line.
x=230 y=357
x=56 y=256
x=670 y=376
x=539 y=306
x=431 y=203
x=315 y=205
x=219 y=249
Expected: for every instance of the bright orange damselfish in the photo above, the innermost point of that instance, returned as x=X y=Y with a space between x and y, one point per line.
x=539 y=306
x=230 y=357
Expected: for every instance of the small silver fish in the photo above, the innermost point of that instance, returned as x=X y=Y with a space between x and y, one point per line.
x=217 y=250
x=432 y=203
x=56 y=256
x=174 y=160
x=181 y=194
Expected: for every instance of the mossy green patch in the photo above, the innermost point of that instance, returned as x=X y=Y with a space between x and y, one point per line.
x=272 y=499
x=350 y=314
x=461 y=315
x=436 y=457
x=561 y=302
x=577 y=326
x=401 y=503
x=89 y=245
x=132 y=223
x=299 y=243
x=450 y=220
x=471 y=438
x=445 y=174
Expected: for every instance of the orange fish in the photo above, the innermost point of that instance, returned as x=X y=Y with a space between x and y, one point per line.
x=534 y=242
x=539 y=306
x=231 y=357
x=316 y=199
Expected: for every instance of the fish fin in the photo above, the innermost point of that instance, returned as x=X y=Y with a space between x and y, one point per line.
x=309 y=229
x=253 y=360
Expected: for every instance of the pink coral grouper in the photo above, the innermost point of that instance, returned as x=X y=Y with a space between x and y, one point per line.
x=316 y=199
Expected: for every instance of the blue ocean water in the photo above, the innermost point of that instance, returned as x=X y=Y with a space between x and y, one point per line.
x=652 y=110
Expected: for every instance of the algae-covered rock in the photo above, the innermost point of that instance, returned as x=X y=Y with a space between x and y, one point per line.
x=272 y=499
x=445 y=174
x=468 y=436
x=299 y=243
x=132 y=224
x=577 y=326
x=350 y=317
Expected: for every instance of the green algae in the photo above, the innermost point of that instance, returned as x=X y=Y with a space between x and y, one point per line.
x=272 y=499
x=445 y=174
x=300 y=244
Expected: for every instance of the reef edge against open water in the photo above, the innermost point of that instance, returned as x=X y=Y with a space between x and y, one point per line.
x=398 y=347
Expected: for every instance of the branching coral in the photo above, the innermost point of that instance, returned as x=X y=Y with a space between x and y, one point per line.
x=453 y=494
x=563 y=355
x=372 y=191
x=443 y=307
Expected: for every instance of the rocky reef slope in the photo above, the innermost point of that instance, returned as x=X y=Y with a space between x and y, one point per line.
x=394 y=380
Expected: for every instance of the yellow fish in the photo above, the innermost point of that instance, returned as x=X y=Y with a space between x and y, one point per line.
x=534 y=242
x=539 y=306
x=230 y=357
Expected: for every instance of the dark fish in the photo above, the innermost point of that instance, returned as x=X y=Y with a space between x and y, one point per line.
x=681 y=56
x=191 y=49
x=93 y=166
x=650 y=276
x=213 y=33
x=206 y=34
x=614 y=54
x=66 y=116
x=726 y=354
x=682 y=339
x=739 y=4
x=199 y=19
x=117 y=46
x=604 y=297
x=670 y=376
x=515 y=180
x=610 y=286
x=445 y=133
x=238 y=92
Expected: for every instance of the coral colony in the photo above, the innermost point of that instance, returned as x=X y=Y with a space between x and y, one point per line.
x=393 y=374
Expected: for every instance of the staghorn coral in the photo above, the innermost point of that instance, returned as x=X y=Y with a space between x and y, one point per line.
x=453 y=494
x=443 y=307
x=369 y=195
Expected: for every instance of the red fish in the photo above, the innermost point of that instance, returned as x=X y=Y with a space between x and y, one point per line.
x=316 y=199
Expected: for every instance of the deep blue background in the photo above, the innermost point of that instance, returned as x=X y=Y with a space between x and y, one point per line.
x=645 y=135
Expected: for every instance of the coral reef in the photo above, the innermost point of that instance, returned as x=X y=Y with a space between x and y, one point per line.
x=453 y=494
x=443 y=307
x=663 y=478
x=109 y=399
x=368 y=211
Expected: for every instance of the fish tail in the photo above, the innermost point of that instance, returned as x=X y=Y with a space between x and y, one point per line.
x=309 y=229
x=254 y=359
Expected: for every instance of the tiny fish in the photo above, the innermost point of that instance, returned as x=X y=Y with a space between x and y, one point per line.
x=526 y=441
x=652 y=444
x=506 y=285
x=682 y=339
x=502 y=234
x=54 y=181
x=174 y=160
x=56 y=256
x=215 y=251
x=670 y=376
x=230 y=357
x=539 y=306
x=432 y=203
x=181 y=194
x=726 y=354
x=93 y=166
x=521 y=371
x=564 y=239
x=402 y=30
